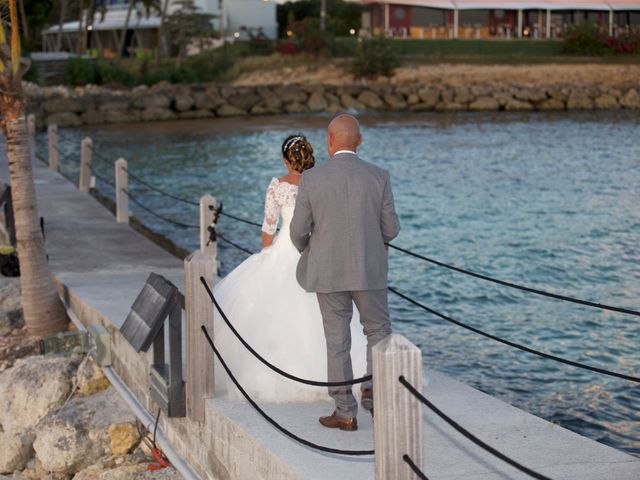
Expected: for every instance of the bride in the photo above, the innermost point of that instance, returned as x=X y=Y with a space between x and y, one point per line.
x=264 y=302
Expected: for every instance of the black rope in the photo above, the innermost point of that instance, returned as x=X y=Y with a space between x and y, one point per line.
x=161 y=217
x=233 y=244
x=271 y=420
x=65 y=156
x=414 y=467
x=516 y=286
x=314 y=383
x=102 y=178
x=239 y=219
x=512 y=344
x=102 y=157
x=468 y=434
x=158 y=190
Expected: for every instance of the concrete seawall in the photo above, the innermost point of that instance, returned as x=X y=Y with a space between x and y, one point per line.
x=100 y=266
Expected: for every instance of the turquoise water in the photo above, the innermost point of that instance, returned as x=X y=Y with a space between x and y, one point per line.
x=546 y=200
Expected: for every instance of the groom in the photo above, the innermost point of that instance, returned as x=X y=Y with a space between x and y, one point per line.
x=344 y=214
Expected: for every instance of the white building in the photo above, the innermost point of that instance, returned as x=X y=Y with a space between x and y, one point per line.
x=103 y=37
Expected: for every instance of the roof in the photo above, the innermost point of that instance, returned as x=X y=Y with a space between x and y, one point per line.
x=617 y=5
x=113 y=20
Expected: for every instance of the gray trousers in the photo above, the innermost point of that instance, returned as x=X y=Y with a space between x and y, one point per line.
x=337 y=310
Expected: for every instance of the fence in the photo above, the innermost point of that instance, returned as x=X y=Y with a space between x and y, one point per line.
x=397 y=363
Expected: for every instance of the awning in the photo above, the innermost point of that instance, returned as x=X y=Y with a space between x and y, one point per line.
x=594 y=5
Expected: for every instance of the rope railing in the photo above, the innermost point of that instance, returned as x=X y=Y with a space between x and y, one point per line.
x=465 y=433
x=240 y=219
x=158 y=190
x=270 y=419
x=157 y=215
x=234 y=244
x=264 y=361
x=513 y=344
x=523 y=288
x=102 y=178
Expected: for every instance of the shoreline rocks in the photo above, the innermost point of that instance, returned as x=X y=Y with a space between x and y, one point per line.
x=93 y=105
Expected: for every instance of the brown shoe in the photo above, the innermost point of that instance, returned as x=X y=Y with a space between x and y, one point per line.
x=334 y=421
x=367 y=399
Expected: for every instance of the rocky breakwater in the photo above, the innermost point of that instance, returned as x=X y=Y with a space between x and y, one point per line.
x=94 y=105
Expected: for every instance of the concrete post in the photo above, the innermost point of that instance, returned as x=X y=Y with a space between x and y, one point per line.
x=52 y=139
x=519 y=24
x=456 y=22
x=548 y=23
x=386 y=18
x=398 y=420
x=84 y=183
x=31 y=131
x=122 y=186
x=208 y=206
x=199 y=311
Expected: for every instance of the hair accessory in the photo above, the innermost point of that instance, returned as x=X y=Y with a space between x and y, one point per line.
x=291 y=142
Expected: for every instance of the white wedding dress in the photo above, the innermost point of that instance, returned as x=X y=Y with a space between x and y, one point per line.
x=282 y=322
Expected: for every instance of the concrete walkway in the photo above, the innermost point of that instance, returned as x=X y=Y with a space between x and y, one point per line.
x=106 y=265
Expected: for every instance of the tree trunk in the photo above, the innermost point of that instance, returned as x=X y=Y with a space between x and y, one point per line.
x=44 y=313
x=161 y=42
x=123 y=37
x=80 y=29
x=63 y=13
x=23 y=15
x=85 y=30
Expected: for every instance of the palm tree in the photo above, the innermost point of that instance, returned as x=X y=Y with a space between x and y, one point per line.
x=125 y=28
x=43 y=311
x=63 y=13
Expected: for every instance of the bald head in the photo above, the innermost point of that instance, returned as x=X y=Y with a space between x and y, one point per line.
x=343 y=134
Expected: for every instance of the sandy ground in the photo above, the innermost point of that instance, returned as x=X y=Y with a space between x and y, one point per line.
x=459 y=75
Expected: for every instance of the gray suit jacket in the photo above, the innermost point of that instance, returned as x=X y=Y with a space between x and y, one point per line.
x=344 y=214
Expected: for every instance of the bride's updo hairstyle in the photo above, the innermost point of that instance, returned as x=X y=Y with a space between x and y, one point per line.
x=297 y=150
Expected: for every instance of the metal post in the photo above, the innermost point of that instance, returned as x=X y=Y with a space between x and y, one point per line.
x=84 y=183
x=398 y=420
x=548 y=23
x=519 y=23
x=199 y=312
x=52 y=138
x=122 y=187
x=31 y=131
x=456 y=22
x=208 y=218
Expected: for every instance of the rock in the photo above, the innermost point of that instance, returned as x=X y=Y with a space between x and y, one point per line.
x=183 y=102
x=421 y=107
x=16 y=450
x=428 y=97
x=481 y=90
x=607 y=102
x=41 y=382
x=413 y=99
x=244 y=100
x=122 y=104
x=123 y=437
x=262 y=109
x=463 y=96
x=122 y=116
x=120 y=467
x=449 y=107
x=66 y=119
x=517 y=105
x=579 y=101
x=503 y=98
x=395 y=101
x=290 y=94
x=531 y=95
x=317 y=102
x=10 y=306
x=62 y=105
x=152 y=114
x=158 y=100
x=296 y=108
x=484 y=103
x=208 y=100
x=350 y=103
x=270 y=99
x=89 y=378
x=195 y=114
x=550 y=104
x=76 y=436
x=227 y=110
x=631 y=99
x=371 y=100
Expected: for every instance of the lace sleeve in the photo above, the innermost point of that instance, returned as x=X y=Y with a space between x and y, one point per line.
x=271 y=209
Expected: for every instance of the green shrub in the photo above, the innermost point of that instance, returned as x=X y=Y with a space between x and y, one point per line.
x=184 y=74
x=210 y=66
x=374 y=57
x=308 y=37
x=110 y=72
x=79 y=72
x=584 y=39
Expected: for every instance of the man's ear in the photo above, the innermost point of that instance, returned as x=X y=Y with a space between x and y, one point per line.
x=359 y=139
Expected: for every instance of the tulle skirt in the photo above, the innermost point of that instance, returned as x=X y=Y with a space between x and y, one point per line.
x=282 y=322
